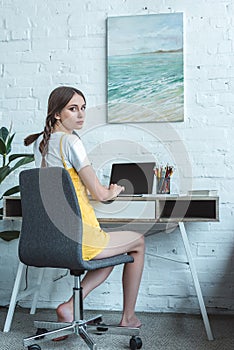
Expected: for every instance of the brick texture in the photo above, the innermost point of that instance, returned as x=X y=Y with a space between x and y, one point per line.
x=44 y=44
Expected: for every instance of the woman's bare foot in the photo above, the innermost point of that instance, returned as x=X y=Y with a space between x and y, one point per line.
x=65 y=312
x=133 y=322
x=64 y=337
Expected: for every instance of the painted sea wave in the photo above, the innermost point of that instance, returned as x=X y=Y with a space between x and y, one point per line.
x=146 y=87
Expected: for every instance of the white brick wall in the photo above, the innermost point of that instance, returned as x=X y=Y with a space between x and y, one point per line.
x=47 y=43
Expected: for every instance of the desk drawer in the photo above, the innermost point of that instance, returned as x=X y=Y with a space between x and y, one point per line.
x=125 y=209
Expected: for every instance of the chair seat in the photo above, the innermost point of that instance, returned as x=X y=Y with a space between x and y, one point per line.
x=112 y=261
x=102 y=263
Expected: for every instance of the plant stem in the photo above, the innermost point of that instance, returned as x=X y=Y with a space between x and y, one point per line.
x=4 y=160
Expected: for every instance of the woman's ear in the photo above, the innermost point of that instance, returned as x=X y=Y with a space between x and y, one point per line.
x=57 y=116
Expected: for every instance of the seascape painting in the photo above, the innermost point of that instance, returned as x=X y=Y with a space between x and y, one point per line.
x=145 y=70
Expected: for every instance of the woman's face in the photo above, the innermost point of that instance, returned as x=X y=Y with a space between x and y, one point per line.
x=73 y=114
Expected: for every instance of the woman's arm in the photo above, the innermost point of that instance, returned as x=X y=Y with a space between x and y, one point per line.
x=95 y=188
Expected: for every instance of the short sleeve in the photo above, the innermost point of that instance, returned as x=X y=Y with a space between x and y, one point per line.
x=76 y=153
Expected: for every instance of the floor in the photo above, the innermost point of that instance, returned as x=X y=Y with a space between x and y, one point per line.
x=158 y=332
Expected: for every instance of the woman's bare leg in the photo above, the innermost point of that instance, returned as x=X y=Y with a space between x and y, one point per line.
x=120 y=242
x=91 y=280
x=133 y=244
x=131 y=281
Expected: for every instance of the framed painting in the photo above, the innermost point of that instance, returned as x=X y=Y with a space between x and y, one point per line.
x=145 y=68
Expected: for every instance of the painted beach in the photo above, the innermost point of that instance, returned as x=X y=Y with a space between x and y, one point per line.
x=146 y=87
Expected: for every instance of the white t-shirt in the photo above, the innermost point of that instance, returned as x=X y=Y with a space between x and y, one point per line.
x=72 y=147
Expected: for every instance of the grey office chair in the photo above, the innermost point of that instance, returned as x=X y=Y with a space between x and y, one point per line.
x=51 y=236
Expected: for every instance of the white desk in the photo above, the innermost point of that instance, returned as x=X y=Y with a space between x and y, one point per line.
x=168 y=210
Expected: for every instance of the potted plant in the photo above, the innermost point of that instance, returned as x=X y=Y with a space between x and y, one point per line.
x=10 y=162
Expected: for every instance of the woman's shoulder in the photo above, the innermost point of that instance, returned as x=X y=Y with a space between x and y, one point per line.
x=72 y=139
x=66 y=138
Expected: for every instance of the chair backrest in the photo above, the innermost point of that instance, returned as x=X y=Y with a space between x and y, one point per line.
x=51 y=234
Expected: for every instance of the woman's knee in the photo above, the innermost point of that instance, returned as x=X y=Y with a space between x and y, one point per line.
x=141 y=241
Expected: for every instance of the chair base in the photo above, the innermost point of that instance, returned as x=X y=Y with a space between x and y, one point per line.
x=51 y=330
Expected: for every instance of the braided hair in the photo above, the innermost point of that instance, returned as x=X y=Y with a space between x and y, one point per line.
x=58 y=99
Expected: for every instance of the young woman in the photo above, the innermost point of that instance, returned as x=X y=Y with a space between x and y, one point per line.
x=58 y=145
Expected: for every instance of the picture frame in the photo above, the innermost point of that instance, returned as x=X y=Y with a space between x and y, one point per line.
x=145 y=68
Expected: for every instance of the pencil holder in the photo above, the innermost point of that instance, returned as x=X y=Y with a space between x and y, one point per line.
x=163 y=185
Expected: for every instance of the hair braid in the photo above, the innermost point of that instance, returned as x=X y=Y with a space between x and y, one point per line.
x=31 y=138
x=43 y=147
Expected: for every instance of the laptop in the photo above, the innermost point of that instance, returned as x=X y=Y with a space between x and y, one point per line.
x=137 y=178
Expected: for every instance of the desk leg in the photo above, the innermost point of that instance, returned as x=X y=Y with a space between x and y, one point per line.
x=196 y=281
x=37 y=292
x=17 y=295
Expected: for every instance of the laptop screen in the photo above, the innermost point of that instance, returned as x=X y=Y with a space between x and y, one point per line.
x=137 y=178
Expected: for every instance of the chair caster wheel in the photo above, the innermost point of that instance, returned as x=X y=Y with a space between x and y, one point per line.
x=41 y=331
x=135 y=343
x=34 y=347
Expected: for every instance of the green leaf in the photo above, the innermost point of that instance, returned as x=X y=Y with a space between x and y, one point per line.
x=4 y=172
x=2 y=147
x=19 y=155
x=9 y=142
x=9 y=235
x=21 y=162
x=4 y=133
x=6 y=139
x=11 y=191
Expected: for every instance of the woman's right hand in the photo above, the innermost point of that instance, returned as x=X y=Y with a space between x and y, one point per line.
x=96 y=189
x=115 y=190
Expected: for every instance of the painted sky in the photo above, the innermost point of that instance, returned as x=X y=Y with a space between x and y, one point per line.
x=147 y=33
